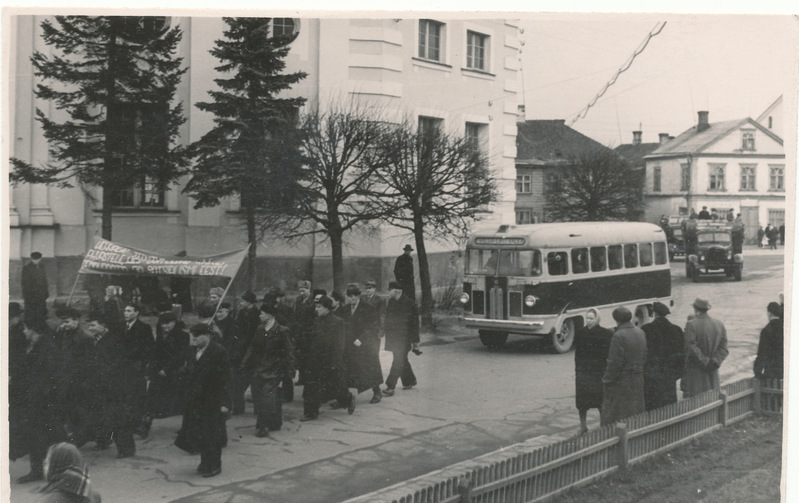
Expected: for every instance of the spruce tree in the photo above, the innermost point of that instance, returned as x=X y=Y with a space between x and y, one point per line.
x=253 y=150
x=115 y=77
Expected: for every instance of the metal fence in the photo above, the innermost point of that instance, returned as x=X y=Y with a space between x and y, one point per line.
x=549 y=470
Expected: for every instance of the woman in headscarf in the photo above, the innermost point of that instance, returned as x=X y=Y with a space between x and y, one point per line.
x=591 y=346
x=67 y=477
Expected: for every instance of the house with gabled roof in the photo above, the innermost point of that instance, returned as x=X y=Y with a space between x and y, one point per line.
x=736 y=165
x=543 y=148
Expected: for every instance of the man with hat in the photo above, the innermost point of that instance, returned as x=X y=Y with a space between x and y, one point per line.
x=402 y=335
x=76 y=349
x=304 y=314
x=623 y=381
x=16 y=339
x=769 y=363
x=34 y=288
x=269 y=357
x=665 y=358
x=246 y=324
x=370 y=297
x=705 y=351
x=403 y=272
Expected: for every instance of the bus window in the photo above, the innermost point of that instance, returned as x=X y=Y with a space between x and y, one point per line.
x=475 y=261
x=580 y=260
x=535 y=262
x=490 y=266
x=645 y=254
x=661 y=254
x=556 y=263
x=615 y=257
x=598 y=259
x=630 y=256
x=520 y=263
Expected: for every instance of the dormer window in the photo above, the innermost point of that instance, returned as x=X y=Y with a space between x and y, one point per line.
x=748 y=140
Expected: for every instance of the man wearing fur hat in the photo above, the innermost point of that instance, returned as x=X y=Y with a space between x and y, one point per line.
x=665 y=358
x=705 y=350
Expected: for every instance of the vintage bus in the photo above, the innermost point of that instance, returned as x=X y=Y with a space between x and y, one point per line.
x=540 y=279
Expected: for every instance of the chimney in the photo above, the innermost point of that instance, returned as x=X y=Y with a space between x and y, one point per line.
x=636 y=137
x=703 y=122
x=664 y=137
x=521 y=116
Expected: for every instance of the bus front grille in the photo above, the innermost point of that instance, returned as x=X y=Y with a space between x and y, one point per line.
x=478 y=302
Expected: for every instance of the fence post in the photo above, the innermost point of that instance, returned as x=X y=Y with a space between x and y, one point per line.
x=623 y=455
x=724 y=413
x=756 y=401
x=465 y=488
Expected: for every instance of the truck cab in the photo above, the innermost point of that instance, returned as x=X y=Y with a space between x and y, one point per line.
x=712 y=250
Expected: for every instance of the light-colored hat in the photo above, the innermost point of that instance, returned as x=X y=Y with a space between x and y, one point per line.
x=701 y=304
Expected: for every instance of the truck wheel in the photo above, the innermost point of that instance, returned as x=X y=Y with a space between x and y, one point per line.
x=562 y=341
x=493 y=340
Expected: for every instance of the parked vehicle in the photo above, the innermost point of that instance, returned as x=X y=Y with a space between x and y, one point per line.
x=713 y=252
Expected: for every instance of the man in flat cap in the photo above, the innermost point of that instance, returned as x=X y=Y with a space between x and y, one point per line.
x=623 y=381
x=705 y=350
x=403 y=272
x=247 y=321
x=34 y=289
x=665 y=358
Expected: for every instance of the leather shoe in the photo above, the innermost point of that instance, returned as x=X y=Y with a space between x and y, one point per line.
x=308 y=418
x=351 y=406
x=376 y=399
x=31 y=477
x=202 y=469
x=336 y=405
x=388 y=392
x=262 y=432
x=409 y=386
x=123 y=455
x=212 y=472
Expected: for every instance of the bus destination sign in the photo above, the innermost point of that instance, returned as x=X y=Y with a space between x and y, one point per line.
x=499 y=241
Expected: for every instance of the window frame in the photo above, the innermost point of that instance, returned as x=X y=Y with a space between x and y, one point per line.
x=748 y=177
x=520 y=212
x=472 y=48
x=716 y=177
x=685 y=177
x=776 y=183
x=656 y=179
x=522 y=182
x=427 y=43
x=748 y=140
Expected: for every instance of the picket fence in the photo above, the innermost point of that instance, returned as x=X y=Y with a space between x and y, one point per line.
x=547 y=471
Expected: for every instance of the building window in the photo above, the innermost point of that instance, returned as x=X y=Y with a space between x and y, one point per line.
x=524 y=184
x=685 y=177
x=475 y=135
x=285 y=27
x=776 y=178
x=776 y=217
x=748 y=176
x=716 y=177
x=549 y=181
x=429 y=126
x=476 y=51
x=748 y=140
x=656 y=179
x=148 y=193
x=430 y=33
x=524 y=217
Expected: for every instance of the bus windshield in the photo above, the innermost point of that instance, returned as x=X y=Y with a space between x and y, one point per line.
x=503 y=262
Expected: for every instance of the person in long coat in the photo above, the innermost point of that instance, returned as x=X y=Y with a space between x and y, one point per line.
x=665 y=359
x=139 y=346
x=403 y=272
x=705 y=351
x=362 y=352
x=267 y=361
x=591 y=347
x=168 y=372
x=402 y=336
x=769 y=363
x=209 y=400
x=37 y=386
x=623 y=381
x=325 y=378
x=34 y=289
x=304 y=316
x=247 y=321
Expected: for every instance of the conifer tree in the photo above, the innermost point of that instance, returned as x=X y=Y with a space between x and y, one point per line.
x=253 y=150
x=115 y=77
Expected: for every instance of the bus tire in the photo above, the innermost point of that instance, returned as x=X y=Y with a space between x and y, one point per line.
x=641 y=317
x=493 y=340
x=561 y=341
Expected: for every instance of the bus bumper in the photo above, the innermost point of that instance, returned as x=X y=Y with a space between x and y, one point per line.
x=522 y=327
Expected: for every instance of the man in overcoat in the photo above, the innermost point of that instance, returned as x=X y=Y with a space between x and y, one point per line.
x=665 y=358
x=362 y=352
x=705 y=350
x=34 y=289
x=304 y=315
x=769 y=363
x=325 y=378
x=139 y=347
x=402 y=336
x=623 y=381
x=403 y=272
x=208 y=402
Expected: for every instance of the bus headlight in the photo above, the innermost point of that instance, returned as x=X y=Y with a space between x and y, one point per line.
x=530 y=301
x=464 y=298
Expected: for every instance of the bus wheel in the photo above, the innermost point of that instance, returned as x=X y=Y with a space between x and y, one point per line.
x=562 y=341
x=493 y=340
x=641 y=317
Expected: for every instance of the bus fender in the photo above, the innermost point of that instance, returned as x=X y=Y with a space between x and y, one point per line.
x=561 y=316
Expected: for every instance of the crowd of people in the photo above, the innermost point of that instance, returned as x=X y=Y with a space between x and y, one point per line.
x=630 y=370
x=108 y=384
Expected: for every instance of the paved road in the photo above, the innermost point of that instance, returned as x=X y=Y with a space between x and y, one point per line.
x=470 y=401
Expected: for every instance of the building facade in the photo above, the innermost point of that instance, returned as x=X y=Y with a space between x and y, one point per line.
x=736 y=165
x=457 y=74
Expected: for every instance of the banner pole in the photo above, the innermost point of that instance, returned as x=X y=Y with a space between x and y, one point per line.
x=74 y=285
x=232 y=278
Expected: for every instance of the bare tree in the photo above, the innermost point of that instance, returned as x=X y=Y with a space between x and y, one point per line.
x=596 y=186
x=434 y=184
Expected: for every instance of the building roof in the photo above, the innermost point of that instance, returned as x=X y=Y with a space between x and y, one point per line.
x=634 y=154
x=693 y=142
x=550 y=142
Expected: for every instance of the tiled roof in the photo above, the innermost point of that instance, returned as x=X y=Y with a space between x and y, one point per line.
x=635 y=153
x=548 y=142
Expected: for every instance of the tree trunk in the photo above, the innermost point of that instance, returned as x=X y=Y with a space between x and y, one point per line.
x=336 y=246
x=424 y=275
x=107 y=211
x=110 y=122
x=251 y=251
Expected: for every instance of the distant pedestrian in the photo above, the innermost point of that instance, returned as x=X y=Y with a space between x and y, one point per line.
x=772 y=234
x=623 y=381
x=403 y=272
x=782 y=234
x=704 y=214
x=208 y=402
x=760 y=234
x=689 y=229
x=705 y=351
x=402 y=336
x=304 y=316
x=665 y=359
x=139 y=348
x=34 y=289
x=738 y=235
x=67 y=477
x=769 y=363
x=730 y=215
x=113 y=308
x=370 y=296
x=591 y=348
x=168 y=371
x=247 y=321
